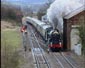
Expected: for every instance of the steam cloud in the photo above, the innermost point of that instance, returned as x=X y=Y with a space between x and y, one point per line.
x=60 y=9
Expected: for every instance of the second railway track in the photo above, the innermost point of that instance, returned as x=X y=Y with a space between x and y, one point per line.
x=38 y=54
x=63 y=61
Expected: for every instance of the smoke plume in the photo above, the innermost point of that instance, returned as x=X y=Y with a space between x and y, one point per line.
x=60 y=9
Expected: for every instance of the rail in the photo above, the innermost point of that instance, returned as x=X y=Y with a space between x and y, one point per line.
x=43 y=55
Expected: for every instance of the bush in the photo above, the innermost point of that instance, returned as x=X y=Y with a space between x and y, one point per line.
x=82 y=35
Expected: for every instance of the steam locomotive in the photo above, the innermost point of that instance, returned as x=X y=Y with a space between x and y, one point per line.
x=51 y=36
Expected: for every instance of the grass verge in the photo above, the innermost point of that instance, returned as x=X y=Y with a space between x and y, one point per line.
x=10 y=43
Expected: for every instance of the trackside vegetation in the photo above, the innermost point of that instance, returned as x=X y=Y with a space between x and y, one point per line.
x=10 y=43
x=82 y=36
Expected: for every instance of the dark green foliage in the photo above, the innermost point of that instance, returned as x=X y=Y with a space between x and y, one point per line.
x=11 y=14
x=40 y=14
x=82 y=35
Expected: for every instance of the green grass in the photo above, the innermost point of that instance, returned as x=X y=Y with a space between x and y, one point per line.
x=10 y=37
x=10 y=42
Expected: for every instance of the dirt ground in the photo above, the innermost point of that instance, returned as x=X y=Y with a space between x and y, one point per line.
x=5 y=25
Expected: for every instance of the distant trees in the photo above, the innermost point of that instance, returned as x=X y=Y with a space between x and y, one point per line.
x=27 y=11
x=9 y=12
x=15 y=13
x=42 y=11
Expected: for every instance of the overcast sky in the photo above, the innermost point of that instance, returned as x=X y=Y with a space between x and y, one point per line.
x=28 y=1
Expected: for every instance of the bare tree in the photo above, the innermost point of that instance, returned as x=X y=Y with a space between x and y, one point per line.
x=42 y=11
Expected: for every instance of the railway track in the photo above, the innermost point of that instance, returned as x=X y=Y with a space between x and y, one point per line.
x=39 y=57
x=70 y=60
x=63 y=61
